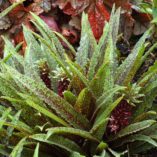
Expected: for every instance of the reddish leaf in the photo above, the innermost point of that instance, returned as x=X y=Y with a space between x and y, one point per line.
x=126 y=25
x=70 y=33
x=119 y=3
x=50 y=21
x=98 y=14
x=141 y=17
x=19 y=37
x=72 y=7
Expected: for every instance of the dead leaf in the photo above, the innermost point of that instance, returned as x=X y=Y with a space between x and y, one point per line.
x=72 y=7
x=98 y=14
x=5 y=23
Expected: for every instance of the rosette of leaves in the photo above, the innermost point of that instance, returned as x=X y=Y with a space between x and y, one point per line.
x=36 y=121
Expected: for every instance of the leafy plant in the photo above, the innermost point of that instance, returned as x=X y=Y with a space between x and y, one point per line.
x=63 y=102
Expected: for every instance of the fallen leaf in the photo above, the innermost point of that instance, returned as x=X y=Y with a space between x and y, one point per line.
x=72 y=7
x=97 y=15
x=5 y=23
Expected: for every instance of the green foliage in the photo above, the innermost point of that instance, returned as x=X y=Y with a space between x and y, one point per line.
x=7 y=10
x=36 y=120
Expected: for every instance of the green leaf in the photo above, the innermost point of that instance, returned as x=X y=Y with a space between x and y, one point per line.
x=139 y=137
x=70 y=97
x=71 y=131
x=87 y=43
x=145 y=78
x=145 y=115
x=103 y=154
x=110 y=29
x=102 y=44
x=114 y=24
x=102 y=119
x=97 y=84
x=62 y=108
x=133 y=128
x=3 y=150
x=46 y=112
x=150 y=86
x=35 y=49
x=76 y=154
x=77 y=72
x=54 y=56
x=11 y=129
x=50 y=34
x=4 y=117
x=129 y=67
x=83 y=102
x=105 y=114
x=59 y=141
x=114 y=153
x=36 y=152
x=102 y=100
x=66 y=42
x=110 y=60
x=18 y=148
x=10 y=8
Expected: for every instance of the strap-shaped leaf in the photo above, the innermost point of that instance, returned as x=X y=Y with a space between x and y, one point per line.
x=136 y=137
x=87 y=43
x=62 y=108
x=58 y=141
x=70 y=97
x=11 y=56
x=106 y=112
x=103 y=154
x=11 y=129
x=46 y=112
x=133 y=128
x=150 y=86
x=83 y=102
x=45 y=35
x=99 y=126
x=77 y=72
x=19 y=123
x=76 y=154
x=66 y=42
x=72 y=131
x=53 y=54
x=36 y=152
x=4 y=117
x=7 y=10
x=129 y=67
x=3 y=150
x=97 y=83
x=50 y=34
x=103 y=101
x=110 y=60
x=18 y=148
x=35 y=49
x=148 y=75
x=114 y=23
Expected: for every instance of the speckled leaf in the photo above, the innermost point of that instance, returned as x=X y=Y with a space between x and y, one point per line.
x=70 y=97
x=4 y=117
x=62 y=107
x=18 y=148
x=129 y=67
x=58 y=141
x=87 y=43
x=36 y=152
x=134 y=128
x=71 y=131
x=83 y=102
x=50 y=34
x=10 y=8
